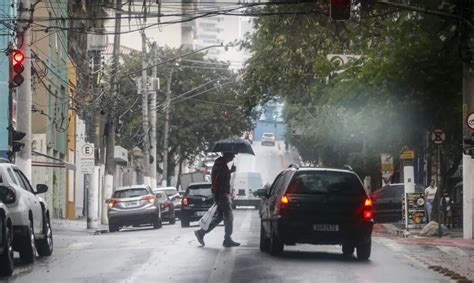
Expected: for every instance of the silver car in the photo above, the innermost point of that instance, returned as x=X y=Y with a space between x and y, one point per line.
x=133 y=206
x=268 y=138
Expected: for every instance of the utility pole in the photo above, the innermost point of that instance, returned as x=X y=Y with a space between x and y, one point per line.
x=468 y=109
x=110 y=127
x=167 y=129
x=153 y=116
x=145 y=122
x=23 y=159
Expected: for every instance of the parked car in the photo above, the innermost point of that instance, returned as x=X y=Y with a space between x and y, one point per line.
x=29 y=213
x=133 y=206
x=6 y=240
x=388 y=202
x=196 y=200
x=166 y=206
x=316 y=206
x=268 y=138
x=174 y=197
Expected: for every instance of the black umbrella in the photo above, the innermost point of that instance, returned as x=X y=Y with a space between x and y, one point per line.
x=234 y=145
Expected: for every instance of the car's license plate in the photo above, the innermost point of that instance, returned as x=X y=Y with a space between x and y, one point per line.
x=326 y=227
x=131 y=203
x=200 y=213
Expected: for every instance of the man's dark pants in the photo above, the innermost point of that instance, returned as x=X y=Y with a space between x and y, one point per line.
x=224 y=212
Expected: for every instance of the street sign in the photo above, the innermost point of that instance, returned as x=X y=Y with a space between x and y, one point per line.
x=407 y=154
x=470 y=121
x=438 y=136
x=87 y=158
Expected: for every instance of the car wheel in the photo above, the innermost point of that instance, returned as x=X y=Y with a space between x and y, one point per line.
x=264 y=241
x=45 y=245
x=28 y=247
x=363 y=250
x=6 y=259
x=276 y=245
x=113 y=227
x=157 y=223
x=348 y=249
x=184 y=222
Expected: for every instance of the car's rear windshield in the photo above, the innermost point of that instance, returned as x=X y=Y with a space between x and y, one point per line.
x=325 y=182
x=268 y=135
x=171 y=192
x=130 y=193
x=200 y=190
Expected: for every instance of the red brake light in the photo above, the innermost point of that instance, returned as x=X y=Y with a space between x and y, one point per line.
x=184 y=201
x=149 y=198
x=112 y=202
x=367 y=212
x=284 y=200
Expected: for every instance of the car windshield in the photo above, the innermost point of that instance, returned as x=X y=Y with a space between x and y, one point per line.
x=268 y=135
x=130 y=193
x=325 y=182
x=203 y=190
x=171 y=192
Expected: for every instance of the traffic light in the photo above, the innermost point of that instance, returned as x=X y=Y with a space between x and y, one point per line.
x=15 y=144
x=340 y=10
x=468 y=145
x=16 y=67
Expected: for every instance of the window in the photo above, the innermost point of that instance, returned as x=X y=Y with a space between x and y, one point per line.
x=131 y=193
x=12 y=176
x=25 y=184
x=200 y=190
x=325 y=182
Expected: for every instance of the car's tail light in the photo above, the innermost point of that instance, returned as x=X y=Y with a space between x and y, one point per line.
x=113 y=202
x=367 y=211
x=284 y=200
x=184 y=201
x=7 y=195
x=164 y=205
x=149 y=198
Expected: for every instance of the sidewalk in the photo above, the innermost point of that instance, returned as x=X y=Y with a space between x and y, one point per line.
x=77 y=226
x=453 y=238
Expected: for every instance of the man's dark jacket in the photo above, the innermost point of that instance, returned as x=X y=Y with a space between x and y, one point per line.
x=220 y=177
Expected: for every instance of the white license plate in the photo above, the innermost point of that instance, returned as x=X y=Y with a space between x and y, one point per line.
x=200 y=213
x=325 y=227
x=131 y=203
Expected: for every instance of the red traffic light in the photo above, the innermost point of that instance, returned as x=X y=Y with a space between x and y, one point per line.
x=340 y=10
x=18 y=56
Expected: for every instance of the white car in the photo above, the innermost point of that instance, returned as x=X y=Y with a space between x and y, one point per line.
x=268 y=138
x=6 y=241
x=29 y=213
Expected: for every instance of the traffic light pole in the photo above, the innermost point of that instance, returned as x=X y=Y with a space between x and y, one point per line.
x=23 y=158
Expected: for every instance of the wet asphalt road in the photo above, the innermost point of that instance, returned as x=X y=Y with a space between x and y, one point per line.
x=172 y=254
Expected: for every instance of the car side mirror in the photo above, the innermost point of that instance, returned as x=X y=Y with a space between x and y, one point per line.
x=7 y=195
x=261 y=193
x=41 y=188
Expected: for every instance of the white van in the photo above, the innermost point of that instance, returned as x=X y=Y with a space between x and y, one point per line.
x=243 y=185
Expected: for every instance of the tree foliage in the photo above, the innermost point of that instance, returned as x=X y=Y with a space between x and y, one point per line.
x=404 y=78
x=201 y=90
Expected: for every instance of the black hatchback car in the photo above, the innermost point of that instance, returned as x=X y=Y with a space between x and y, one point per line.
x=197 y=199
x=316 y=206
x=388 y=202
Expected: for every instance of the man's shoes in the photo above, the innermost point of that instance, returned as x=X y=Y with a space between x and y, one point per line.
x=200 y=237
x=230 y=243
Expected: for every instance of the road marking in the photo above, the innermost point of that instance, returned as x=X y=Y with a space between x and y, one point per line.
x=78 y=246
